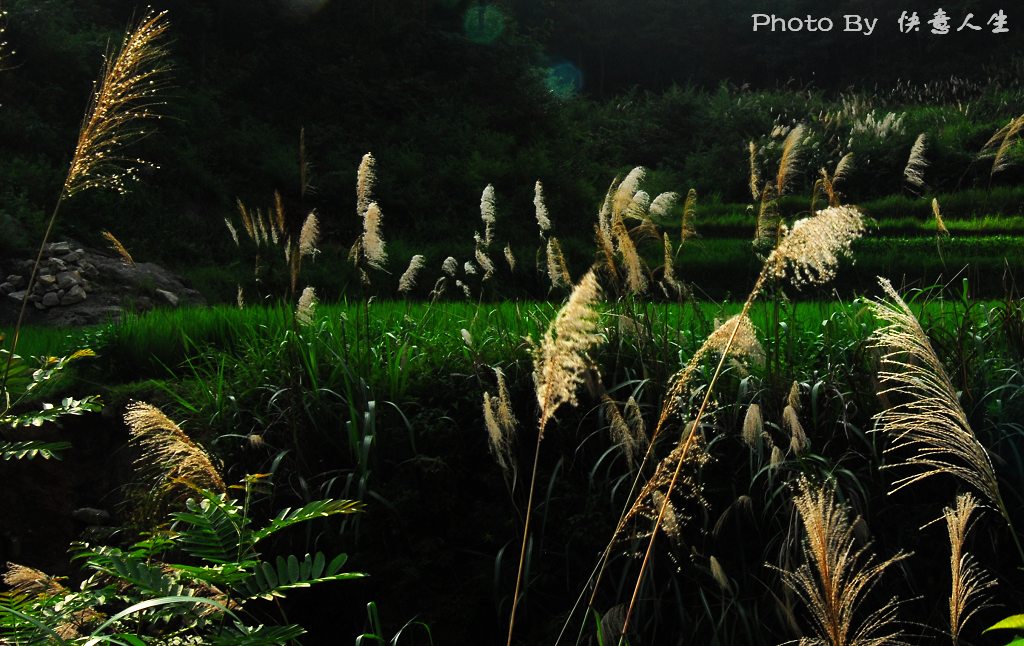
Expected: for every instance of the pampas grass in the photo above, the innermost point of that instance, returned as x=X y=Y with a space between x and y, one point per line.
x=809 y=253
x=500 y=423
x=969 y=582
x=560 y=362
x=374 y=248
x=125 y=97
x=1001 y=144
x=168 y=461
x=558 y=269
x=627 y=188
x=118 y=248
x=913 y=173
x=940 y=226
x=541 y=209
x=309 y=235
x=366 y=176
x=928 y=429
x=408 y=279
x=487 y=214
x=510 y=258
x=792 y=150
x=688 y=224
x=305 y=309
x=836 y=576
x=755 y=175
x=663 y=204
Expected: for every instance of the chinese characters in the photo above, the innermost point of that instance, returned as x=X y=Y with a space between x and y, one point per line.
x=941 y=23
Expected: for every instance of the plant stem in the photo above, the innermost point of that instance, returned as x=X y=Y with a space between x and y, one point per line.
x=28 y=291
x=686 y=447
x=526 y=534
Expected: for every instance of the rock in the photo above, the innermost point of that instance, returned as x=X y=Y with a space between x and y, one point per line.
x=57 y=265
x=91 y=516
x=74 y=295
x=6 y=288
x=17 y=296
x=58 y=247
x=51 y=299
x=72 y=257
x=45 y=283
x=16 y=281
x=170 y=297
x=68 y=279
x=88 y=269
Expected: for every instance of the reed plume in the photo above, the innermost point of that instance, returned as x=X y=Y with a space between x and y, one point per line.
x=510 y=257
x=31 y=582
x=560 y=362
x=309 y=235
x=626 y=429
x=366 y=176
x=450 y=266
x=500 y=423
x=118 y=248
x=688 y=224
x=928 y=429
x=638 y=207
x=668 y=276
x=374 y=247
x=836 y=577
x=769 y=220
x=969 y=581
x=558 y=269
x=755 y=175
x=305 y=310
x=792 y=149
x=913 y=173
x=626 y=189
x=1001 y=144
x=126 y=97
x=940 y=226
x=485 y=263
x=541 y=209
x=168 y=458
x=662 y=205
x=636 y=276
x=408 y=278
x=232 y=230
x=469 y=268
x=487 y=214
x=809 y=253
x=753 y=425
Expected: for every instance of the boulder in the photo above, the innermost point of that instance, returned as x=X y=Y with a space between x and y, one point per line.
x=68 y=279
x=74 y=295
x=89 y=286
x=170 y=297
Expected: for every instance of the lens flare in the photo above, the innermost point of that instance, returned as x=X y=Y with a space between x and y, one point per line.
x=484 y=23
x=563 y=79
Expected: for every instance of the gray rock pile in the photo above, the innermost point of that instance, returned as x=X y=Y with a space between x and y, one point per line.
x=63 y=278
x=80 y=286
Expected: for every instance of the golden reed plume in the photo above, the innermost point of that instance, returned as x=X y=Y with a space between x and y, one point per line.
x=836 y=576
x=125 y=97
